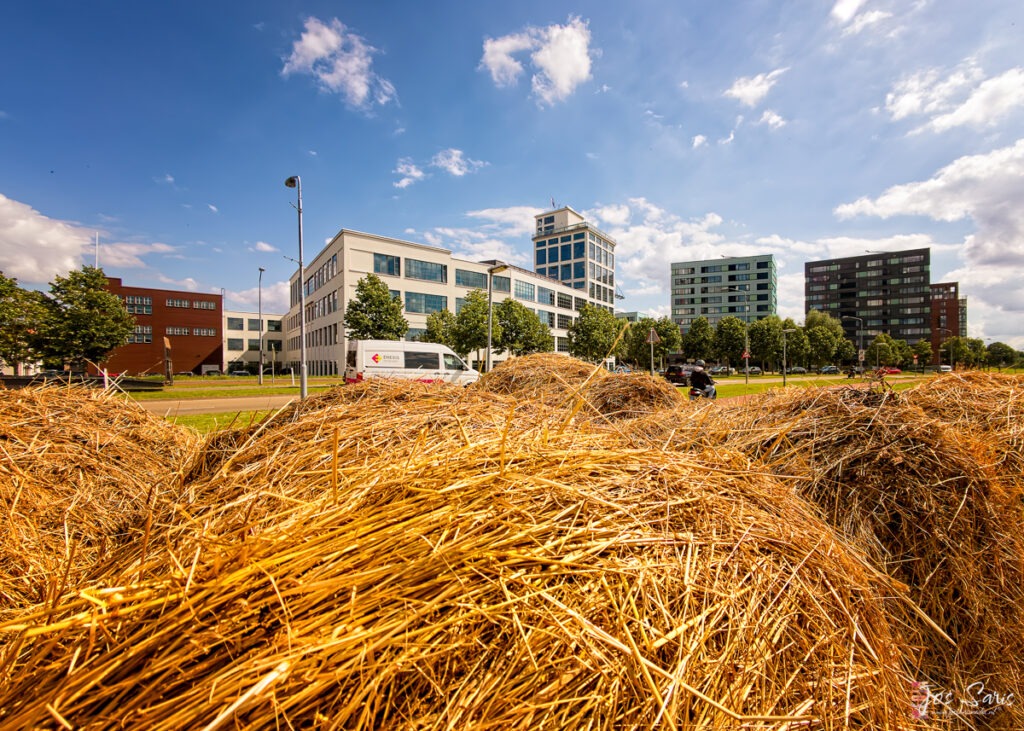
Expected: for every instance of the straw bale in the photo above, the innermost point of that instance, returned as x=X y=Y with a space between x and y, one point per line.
x=989 y=405
x=509 y=583
x=919 y=497
x=80 y=471
x=547 y=377
x=631 y=395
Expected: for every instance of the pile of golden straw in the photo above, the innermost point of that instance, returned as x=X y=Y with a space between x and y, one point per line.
x=542 y=551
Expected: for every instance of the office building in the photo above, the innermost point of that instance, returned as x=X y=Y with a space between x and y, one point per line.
x=890 y=292
x=570 y=250
x=189 y=323
x=744 y=287
x=427 y=279
x=242 y=333
x=948 y=315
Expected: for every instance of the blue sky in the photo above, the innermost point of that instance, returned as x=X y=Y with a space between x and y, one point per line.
x=683 y=129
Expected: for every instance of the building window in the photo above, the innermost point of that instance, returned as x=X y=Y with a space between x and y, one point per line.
x=427 y=271
x=178 y=303
x=235 y=343
x=203 y=305
x=207 y=332
x=176 y=331
x=254 y=343
x=579 y=249
x=524 y=291
x=566 y=272
x=564 y=321
x=562 y=345
x=545 y=296
x=541 y=257
x=472 y=280
x=425 y=304
x=254 y=324
x=139 y=305
x=388 y=265
x=565 y=301
x=236 y=323
x=552 y=255
x=501 y=284
x=566 y=251
x=274 y=326
x=141 y=334
x=413 y=334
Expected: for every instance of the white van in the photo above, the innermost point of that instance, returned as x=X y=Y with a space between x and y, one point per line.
x=429 y=362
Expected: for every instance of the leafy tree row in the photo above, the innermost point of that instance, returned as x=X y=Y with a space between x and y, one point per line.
x=78 y=322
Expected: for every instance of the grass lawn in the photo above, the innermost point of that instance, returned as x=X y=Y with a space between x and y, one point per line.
x=206 y=423
x=200 y=387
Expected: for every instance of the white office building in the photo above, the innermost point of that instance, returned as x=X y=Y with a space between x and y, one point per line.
x=427 y=279
x=242 y=335
x=743 y=287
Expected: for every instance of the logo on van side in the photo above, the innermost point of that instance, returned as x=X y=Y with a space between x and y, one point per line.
x=376 y=358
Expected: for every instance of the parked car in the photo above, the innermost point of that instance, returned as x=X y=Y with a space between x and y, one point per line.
x=238 y=373
x=755 y=370
x=829 y=370
x=945 y=369
x=678 y=374
x=890 y=370
x=722 y=370
x=797 y=369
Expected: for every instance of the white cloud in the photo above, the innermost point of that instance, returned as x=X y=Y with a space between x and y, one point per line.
x=728 y=140
x=613 y=215
x=699 y=141
x=129 y=255
x=964 y=97
x=167 y=178
x=341 y=62
x=213 y=208
x=409 y=172
x=866 y=20
x=772 y=119
x=187 y=284
x=560 y=55
x=35 y=248
x=264 y=247
x=844 y=10
x=750 y=90
x=453 y=162
x=275 y=296
x=511 y=222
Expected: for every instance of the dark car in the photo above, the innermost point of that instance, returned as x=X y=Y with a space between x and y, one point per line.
x=677 y=374
x=797 y=369
x=239 y=373
x=754 y=371
x=829 y=370
x=722 y=370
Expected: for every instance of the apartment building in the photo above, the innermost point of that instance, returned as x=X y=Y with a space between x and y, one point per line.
x=745 y=287
x=242 y=335
x=882 y=292
x=427 y=279
x=189 y=323
x=570 y=250
x=948 y=315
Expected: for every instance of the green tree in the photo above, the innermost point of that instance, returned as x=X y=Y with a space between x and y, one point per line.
x=22 y=313
x=766 y=341
x=521 y=332
x=1000 y=355
x=595 y=334
x=824 y=336
x=886 y=351
x=798 y=349
x=923 y=350
x=374 y=314
x=470 y=330
x=440 y=328
x=699 y=340
x=730 y=340
x=84 y=321
x=958 y=350
x=638 y=350
x=975 y=352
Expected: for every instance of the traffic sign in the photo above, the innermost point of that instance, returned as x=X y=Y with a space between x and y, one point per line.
x=745 y=355
x=860 y=355
x=653 y=337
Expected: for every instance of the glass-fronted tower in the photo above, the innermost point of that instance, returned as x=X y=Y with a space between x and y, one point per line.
x=575 y=253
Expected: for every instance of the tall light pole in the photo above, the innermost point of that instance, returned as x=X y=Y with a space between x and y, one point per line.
x=491 y=271
x=296 y=182
x=259 y=299
x=785 y=365
x=860 y=336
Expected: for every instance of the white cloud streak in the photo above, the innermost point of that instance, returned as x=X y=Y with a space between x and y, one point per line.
x=454 y=162
x=750 y=90
x=409 y=172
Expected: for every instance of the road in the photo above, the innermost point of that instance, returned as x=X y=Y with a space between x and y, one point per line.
x=184 y=407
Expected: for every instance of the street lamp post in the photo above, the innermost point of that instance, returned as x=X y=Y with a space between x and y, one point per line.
x=746 y=333
x=785 y=364
x=260 y=315
x=491 y=271
x=860 y=337
x=296 y=182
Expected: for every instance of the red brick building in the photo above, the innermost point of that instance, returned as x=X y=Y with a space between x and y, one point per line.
x=191 y=322
x=949 y=316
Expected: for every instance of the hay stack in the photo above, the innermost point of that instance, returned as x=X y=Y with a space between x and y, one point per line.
x=541 y=377
x=498 y=582
x=917 y=496
x=80 y=471
x=630 y=396
x=988 y=405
